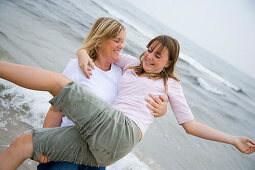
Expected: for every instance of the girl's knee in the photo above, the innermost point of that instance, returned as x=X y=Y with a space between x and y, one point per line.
x=63 y=82
x=23 y=144
x=60 y=81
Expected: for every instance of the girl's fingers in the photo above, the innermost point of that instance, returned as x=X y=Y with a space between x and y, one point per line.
x=91 y=64
x=250 y=141
x=86 y=70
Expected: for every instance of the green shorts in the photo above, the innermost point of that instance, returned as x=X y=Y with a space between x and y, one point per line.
x=101 y=135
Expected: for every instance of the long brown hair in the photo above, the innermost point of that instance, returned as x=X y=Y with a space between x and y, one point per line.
x=103 y=29
x=173 y=47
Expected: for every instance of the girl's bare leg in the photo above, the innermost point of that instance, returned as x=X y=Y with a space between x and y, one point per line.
x=17 y=153
x=33 y=78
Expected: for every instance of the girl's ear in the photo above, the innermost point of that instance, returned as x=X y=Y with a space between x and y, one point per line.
x=168 y=63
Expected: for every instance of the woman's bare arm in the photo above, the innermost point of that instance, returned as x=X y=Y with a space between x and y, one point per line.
x=53 y=118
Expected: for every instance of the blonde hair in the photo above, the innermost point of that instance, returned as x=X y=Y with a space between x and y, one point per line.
x=103 y=29
x=173 y=47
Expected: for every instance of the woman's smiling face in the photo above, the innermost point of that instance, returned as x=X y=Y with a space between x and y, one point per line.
x=110 y=49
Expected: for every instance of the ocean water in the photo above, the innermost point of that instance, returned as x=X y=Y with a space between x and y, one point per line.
x=47 y=34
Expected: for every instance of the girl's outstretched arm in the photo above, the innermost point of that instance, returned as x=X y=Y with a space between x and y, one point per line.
x=243 y=144
x=33 y=78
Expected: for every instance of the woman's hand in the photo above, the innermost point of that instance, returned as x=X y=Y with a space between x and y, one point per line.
x=158 y=106
x=84 y=62
x=43 y=159
x=244 y=144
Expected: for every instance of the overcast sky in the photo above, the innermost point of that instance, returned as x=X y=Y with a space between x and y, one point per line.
x=224 y=27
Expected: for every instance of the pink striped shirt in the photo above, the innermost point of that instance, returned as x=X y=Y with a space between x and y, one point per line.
x=134 y=89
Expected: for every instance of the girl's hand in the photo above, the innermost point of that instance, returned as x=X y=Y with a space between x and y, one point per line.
x=84 y=62
x=244 y=144
x=158 y=106
x=43 y=159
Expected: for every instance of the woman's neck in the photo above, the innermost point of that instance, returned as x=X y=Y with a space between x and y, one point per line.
x=102 y=64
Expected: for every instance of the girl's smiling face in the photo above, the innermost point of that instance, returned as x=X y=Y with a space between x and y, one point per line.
x=154 y=59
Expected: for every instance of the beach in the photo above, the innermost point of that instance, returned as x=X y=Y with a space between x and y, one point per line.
x=47 y=34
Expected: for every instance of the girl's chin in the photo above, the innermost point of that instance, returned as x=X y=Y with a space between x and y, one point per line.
x=116 y=59
x=150 y=71
x=147 y=70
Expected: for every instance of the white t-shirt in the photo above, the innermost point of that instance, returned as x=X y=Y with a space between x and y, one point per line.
x=102 y=83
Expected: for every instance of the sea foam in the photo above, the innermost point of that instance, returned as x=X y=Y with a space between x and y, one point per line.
x=204 y=70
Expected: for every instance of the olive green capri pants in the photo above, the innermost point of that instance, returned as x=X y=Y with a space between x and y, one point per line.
x=101 y=135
